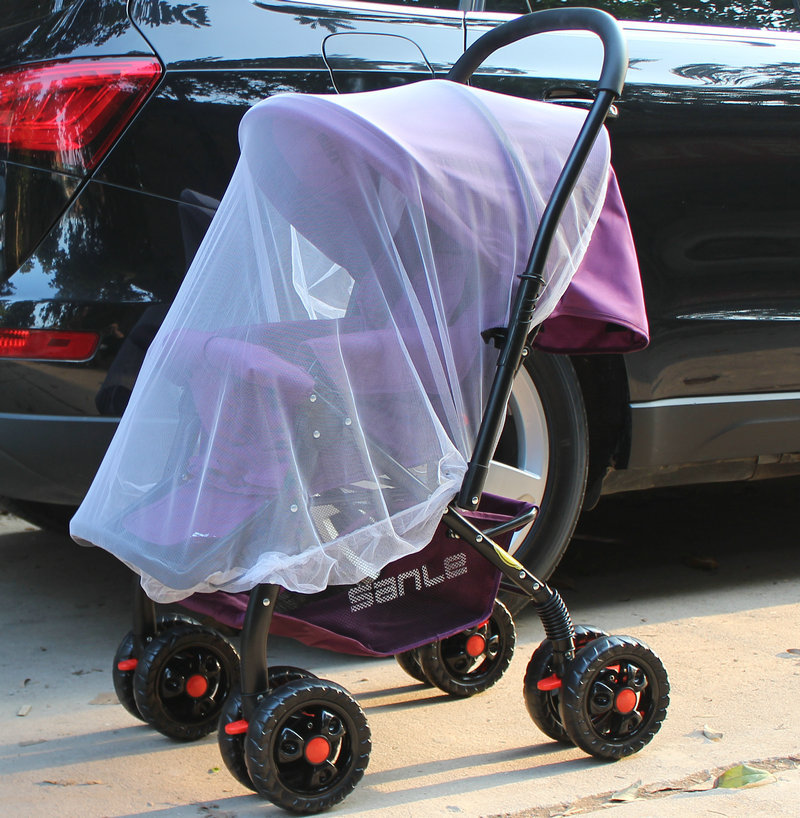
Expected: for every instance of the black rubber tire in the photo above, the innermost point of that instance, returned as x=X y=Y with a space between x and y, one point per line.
x=448 y=666
x=277 y=737
x=559 y=391
x=123 y=679
x=409 y=661
x=542 y=705
x=49 y=516
x=280 y=675
x=159 y=682
x=231 y=748
x=591 y=688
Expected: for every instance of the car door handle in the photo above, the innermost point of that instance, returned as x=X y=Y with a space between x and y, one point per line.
x=575 y=98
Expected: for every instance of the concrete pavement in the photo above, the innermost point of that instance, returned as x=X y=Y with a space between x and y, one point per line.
x=711 y=583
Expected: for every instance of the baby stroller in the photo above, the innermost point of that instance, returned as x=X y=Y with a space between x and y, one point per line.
x=309 y=440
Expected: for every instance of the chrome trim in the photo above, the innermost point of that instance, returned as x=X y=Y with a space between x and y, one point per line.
x=651 y=27
x=706 y=400
x=392 y=8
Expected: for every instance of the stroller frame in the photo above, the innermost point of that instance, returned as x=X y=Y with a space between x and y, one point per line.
x=557 y=669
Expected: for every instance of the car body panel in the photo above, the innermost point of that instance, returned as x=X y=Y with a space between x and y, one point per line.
x=711 y=195
x=705 y=146
x=35 y=199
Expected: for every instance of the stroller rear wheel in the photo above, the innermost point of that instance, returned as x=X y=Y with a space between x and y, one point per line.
x=542 y=705
x=614 y=697
x=473 y=660
x=409 y=661
x=231 y=745
x=182 y=680
x=307 y=745
x=125 y=661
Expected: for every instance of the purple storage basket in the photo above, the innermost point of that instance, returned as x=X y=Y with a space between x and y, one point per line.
x=441 y=590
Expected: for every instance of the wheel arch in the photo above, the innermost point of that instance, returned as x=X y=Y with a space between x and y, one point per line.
x=604 y=384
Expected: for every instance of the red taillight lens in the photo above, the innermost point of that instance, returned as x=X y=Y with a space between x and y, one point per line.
x=47 y=345
x=72 y=110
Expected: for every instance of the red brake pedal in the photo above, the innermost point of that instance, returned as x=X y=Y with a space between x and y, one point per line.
x=551 y=682
x=236 y=728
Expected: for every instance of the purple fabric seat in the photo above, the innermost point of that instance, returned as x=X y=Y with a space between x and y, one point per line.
x=307 y=409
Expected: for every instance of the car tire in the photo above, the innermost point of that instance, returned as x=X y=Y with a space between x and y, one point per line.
x=546 y=440
x=49 y=516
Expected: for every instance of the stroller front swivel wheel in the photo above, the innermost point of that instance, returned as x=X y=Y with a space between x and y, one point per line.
x=182 y=680
x=542 y=704
x=126 y=660
x=307 y=745
x=473 y=660
x=614 y=697
x=231 y=745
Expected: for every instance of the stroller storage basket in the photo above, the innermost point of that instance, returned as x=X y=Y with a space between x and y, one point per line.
x=432 y=594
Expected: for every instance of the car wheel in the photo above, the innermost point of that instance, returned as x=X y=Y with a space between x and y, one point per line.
x=50 y=516
x=543 y=457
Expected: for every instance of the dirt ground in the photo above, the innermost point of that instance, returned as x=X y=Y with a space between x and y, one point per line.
x=708 y=577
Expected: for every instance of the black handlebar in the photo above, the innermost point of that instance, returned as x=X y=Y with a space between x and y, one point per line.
x=615 y=57
x=615 y=66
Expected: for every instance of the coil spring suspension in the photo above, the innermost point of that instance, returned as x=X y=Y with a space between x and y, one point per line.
x=555 y=618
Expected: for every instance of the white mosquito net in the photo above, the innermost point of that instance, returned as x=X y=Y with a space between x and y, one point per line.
x=306 y=411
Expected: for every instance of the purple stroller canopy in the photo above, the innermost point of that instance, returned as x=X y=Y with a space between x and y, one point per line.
x=306 y=411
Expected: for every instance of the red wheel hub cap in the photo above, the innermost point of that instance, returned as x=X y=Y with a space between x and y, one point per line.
x=196 y=686
x=317 y=750
x=476 y=645
x=625 y=700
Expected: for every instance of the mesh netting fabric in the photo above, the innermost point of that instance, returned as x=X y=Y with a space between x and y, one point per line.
x=306 y=411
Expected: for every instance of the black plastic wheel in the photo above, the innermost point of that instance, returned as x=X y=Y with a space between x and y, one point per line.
x=283 y=674
x=542 y=705
x=409 y=661
x=231 y=747
x=122 y=677
x=473 y=660
x=614 y=697
x=307 y=745
x=182 y=680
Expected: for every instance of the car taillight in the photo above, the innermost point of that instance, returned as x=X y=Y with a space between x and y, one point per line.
x=73 y=110
x=48 y=345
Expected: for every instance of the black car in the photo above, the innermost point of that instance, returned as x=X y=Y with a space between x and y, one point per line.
x=118 y=124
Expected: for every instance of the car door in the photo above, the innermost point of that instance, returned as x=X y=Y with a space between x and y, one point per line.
x=708 y=158
x=222 y=57
x=379 y=45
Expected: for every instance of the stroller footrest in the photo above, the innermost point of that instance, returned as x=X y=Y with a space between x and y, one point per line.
x=514 y=524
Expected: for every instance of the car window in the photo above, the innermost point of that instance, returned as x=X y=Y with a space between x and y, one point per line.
x=776 y=14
